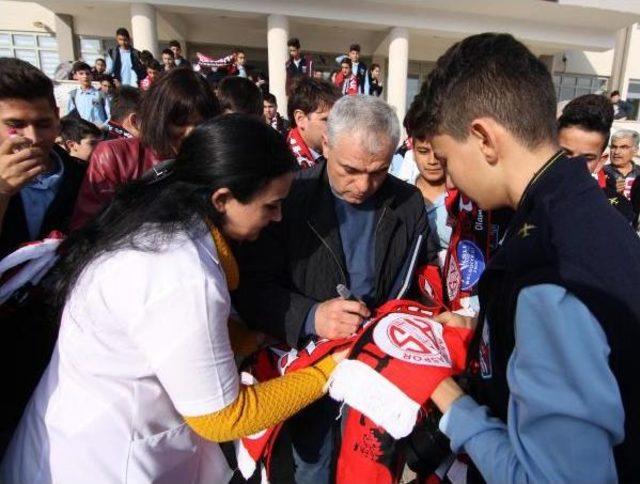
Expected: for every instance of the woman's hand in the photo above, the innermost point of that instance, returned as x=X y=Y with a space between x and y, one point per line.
x=338 y=356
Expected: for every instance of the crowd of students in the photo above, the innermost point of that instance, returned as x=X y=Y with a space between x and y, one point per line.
x=146 y=269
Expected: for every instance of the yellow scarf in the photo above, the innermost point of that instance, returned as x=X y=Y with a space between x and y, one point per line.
x=227 y=260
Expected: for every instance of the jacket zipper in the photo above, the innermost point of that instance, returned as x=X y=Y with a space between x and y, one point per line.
x=335 y=258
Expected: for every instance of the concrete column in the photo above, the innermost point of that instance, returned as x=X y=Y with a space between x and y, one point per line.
x=398 y=68
x=144 y=27
x=63 y=26
x=620 y=71
x=277 y=36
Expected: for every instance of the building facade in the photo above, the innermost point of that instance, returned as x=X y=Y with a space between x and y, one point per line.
x=589 y=45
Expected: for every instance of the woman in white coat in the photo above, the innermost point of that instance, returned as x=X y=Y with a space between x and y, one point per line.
x=142 y=382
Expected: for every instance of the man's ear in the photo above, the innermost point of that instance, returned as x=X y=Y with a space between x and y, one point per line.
x=601 y=162
x=485 y=131
x=300 y=118
x=220 y=198
x=70 y=145
x=325 y=144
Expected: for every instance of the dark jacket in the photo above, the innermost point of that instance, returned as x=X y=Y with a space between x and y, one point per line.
x=299 y=262
x=14 y=227
x=137 y=66
x=112 y=163
x=551 y=240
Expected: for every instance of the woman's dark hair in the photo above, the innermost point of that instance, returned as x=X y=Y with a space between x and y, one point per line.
x=179 y=97
x=235 y=151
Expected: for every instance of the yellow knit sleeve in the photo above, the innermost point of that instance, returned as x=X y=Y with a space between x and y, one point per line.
x=263 y=405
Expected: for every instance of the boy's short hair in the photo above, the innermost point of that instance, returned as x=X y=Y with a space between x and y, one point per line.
x=21 y=80
x=240 y=51
x=175 y=43
x=80 y=66
x=270 y=98
x=293 y=42
x=168 y=52
x=411 y=121
x=614 y=93
x=154 y=65
x=124 y=102
x=355 y=47
x=123 y=32
x=99 y=59
x=76 y=129
x=491 y=75
x=240 y=95
x=591 y=112
x=374 y=66
x=309 y=94
x=346 y=60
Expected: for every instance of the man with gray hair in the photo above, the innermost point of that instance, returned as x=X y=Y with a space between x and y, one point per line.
x=622 y=172
x=345 y=222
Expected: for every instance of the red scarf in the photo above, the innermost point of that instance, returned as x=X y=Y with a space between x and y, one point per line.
x=300 y=149
x=396 y=361
x=348 y=85
x=475 y=237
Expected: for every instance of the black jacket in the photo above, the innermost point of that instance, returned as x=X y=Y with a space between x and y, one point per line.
x=298 y=262
x=136 y=64
x=565 y=233
x=14 y=226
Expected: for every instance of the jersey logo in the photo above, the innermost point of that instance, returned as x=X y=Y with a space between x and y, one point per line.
x=412 y=339
x=453 y=280
x=471 y=262
x=525 y=230
x=614 y=201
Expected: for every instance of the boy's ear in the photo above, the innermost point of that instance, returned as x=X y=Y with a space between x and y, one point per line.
x=70 y=145
x=486 y=133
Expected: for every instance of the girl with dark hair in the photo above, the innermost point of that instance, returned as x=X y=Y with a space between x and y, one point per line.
x=143 y=382
x=174 y=104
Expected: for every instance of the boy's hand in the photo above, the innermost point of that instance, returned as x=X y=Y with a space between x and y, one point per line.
x=457 y=321
x=19 y=164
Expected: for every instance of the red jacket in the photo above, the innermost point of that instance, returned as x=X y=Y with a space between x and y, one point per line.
x=347 y=85
x=112 y=163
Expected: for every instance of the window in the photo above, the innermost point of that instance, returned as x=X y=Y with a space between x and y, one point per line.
x=633 y=96
x=41 y=50
x=569 y=86
x=90 y=50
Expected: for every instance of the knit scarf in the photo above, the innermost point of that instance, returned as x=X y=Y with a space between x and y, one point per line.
x=206 y=61
x=300 y=149
x=227 y=260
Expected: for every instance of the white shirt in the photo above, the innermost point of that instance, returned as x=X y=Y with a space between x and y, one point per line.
x=143 y=341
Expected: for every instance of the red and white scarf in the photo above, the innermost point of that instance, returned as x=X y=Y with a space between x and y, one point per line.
x=206 y=61
x=347 y=85
x=300 y=150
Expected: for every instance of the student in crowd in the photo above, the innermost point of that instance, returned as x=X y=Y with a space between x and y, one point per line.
x=144 y=349
x=359 y=69
x=108 y=88
x=173 y=106
x=375 y=81
x=154 y=69
x=272 y=116
x=39 y=183
x=168 y=61
x=621 y=109
x=176 y=48
x=241 y=63
x=79 y=138
x=309 y=105
x=240 y=95
x=346 y=81
x=584 y=129
x=123 y=62
x=563 y=406
x=297 y=65
x=86 y=101
x=344 y=222
x=124 y=108
x=99 y=67
x=622 y=171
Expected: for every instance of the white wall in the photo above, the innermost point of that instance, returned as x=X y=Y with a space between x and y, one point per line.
x=20 y=16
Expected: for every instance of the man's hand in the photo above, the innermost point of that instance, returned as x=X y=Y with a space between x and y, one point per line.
x=457 y=321
x=620 y=185
x=339 y=318
x=18 y=168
